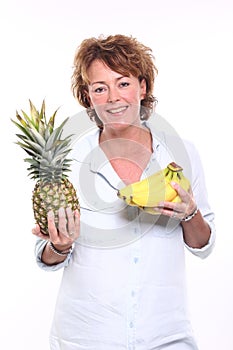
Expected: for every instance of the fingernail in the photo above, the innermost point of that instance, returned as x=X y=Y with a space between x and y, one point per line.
x=68 y=209
x=50 y=214
x=35 y=228
x=61 y=211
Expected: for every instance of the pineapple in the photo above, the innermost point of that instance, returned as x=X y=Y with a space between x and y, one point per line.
x=48 y=163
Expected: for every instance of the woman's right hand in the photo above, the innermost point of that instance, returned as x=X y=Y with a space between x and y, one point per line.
x=62 y=237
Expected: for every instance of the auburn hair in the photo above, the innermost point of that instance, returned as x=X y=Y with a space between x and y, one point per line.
x=122 y=54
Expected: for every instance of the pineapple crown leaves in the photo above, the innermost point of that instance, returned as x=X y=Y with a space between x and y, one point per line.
x=44 y=144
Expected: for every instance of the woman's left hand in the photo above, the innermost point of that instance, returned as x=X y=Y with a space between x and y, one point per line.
x=178 y=210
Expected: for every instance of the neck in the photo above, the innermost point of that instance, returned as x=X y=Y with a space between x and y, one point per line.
x=136 y=133
x=126 y=142
x=128 y=152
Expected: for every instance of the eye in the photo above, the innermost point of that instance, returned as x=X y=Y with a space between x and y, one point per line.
x=124 y=84
x=99 y=89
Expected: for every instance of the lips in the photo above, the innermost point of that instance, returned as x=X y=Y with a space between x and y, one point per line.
x=117 y=110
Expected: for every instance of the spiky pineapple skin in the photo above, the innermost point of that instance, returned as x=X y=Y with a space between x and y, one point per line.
x=52 y=196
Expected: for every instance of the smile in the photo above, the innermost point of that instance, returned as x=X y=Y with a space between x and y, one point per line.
x=117 y=110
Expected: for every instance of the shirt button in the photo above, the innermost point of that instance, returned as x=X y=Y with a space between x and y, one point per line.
x=135 y=260
x=131 y=324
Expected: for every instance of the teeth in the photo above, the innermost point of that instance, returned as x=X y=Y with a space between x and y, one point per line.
x=117 y=110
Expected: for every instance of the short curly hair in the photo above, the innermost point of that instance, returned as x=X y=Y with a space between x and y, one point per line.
x=122 y=54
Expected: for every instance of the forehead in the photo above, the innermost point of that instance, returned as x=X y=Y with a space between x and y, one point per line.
x=98 y=71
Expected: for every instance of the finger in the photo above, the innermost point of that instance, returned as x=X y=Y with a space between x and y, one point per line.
x=74 y=224
x=176 y=215
x=36 y=229
x=70 y=221
x=171 y=206
x=184 y=195
x=172 y=209
x=190 y=191
x=51 y=225
x=188 y=203
x=166 y=211
x=62 y=222
x=37 y=232
x=77 y=223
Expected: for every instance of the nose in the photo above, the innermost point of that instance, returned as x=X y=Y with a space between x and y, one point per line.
x=113 y=95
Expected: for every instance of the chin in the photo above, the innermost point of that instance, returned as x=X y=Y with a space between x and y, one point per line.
x=118 y=125
x=123 y=123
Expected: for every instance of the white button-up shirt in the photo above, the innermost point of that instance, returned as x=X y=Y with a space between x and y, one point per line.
x=124 y=284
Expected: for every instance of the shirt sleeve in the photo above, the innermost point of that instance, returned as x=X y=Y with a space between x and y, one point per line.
x=201 y=197
x=39 y=247
x=205 y=251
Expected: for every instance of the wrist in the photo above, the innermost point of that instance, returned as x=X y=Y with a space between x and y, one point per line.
x=190 y=216
x=63 y=252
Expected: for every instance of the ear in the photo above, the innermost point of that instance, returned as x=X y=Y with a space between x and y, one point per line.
x=143 y=88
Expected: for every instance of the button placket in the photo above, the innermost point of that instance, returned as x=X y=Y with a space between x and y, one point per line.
x=134 y=285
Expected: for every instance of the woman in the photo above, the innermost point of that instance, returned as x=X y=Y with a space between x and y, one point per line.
x=123 y=284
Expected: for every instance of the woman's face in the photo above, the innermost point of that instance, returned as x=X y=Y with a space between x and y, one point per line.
x=115 y=98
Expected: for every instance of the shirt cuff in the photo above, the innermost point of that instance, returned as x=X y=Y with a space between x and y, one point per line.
x=40 y=245
x=205 y=251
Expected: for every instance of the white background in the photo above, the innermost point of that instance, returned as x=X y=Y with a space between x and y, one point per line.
x=192 y=43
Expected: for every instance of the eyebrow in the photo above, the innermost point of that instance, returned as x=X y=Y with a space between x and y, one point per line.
x=103 y=82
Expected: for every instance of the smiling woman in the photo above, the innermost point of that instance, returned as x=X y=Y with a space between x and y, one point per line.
x=131 y=294
x=129 y=58
x=116 y=99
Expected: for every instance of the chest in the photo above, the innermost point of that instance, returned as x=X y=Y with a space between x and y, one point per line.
x=128 y=170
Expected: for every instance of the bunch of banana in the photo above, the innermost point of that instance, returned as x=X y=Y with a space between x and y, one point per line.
x=146 y=194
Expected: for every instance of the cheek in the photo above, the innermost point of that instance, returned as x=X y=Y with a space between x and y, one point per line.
x=135 y=95
x=97 y=101
x=100 y=110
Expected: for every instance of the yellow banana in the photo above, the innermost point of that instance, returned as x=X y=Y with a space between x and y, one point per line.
x=147 y=193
